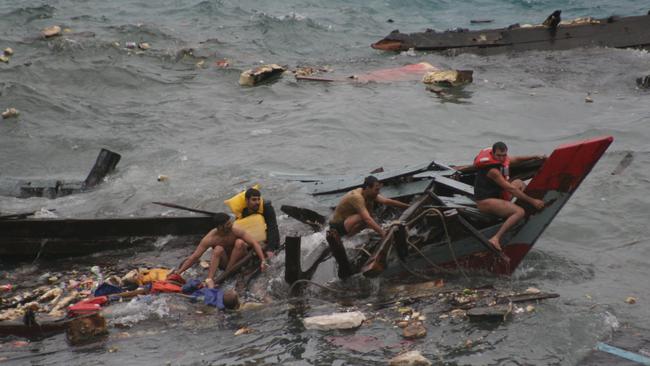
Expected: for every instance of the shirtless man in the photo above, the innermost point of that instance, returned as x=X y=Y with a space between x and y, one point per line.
x=353 y=212
x=229 y=245
x=491 y=181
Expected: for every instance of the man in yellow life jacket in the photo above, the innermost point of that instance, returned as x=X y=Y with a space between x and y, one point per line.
x=493 y=188
x=254 y=205
x=352 y=214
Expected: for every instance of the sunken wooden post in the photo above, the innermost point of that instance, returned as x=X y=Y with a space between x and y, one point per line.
x=338 y=252
x=105 y=164
x=292 y=269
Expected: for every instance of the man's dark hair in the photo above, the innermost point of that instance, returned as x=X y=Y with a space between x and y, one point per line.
x=252 y=192
x=220 y=218
x=501 y=146
x=369 y=181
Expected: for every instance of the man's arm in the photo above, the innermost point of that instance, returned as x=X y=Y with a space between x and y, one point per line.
x=496 y=176
x=251 y=241
x=519 y=159
x=365 y=215
x=204 y=244
x=390 y=202
x=272 y=232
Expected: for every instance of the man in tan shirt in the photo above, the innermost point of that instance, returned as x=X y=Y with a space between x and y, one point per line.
x=353 y=212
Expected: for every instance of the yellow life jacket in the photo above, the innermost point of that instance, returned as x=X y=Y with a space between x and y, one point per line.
x=153 y=275
x=237 y=203
x=254 y=225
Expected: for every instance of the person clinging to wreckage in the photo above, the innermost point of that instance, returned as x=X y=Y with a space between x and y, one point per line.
x=493 y=189
x=255 y=205
x=352 y=214
x=229 y=244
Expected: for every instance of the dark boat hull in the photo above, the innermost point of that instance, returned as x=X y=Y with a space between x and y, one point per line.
x=613 y=32
x=69 y=237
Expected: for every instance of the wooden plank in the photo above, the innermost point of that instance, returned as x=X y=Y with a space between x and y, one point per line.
x=609 y=32
x=348 y=183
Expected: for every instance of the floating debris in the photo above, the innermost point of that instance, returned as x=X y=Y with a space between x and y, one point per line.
x=10 y=112
x=497 y=312
x=8 y=51
x=144 y=46
x=222 y=63
x=6 y=288
x=335 y=321
x=411 y=358
x=414 y=330
x=244 y=330
x=449 y=77
x=261 y=74
x=530 y=308
x=481 y=21
x=86 y=329
x=630 y=300
x=643 y=82
x=625 y=162
x=163 y=178
x=532 y=290
x=130 y=45
x=4 y=59
x=51 y=31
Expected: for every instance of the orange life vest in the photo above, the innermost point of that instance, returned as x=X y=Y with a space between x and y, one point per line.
x=486 y=159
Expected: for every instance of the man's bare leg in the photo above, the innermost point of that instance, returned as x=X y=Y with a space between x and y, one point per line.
x=238 y=252
x=354 y=224
x=218 y=254
x=504 y=209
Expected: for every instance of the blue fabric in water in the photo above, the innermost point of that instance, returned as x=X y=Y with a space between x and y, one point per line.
x=107 y=289
x=191 y=286
x=210 y=296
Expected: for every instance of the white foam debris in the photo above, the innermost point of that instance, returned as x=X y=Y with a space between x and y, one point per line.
x=335 y=321
x=139 y=309
x=611 y=321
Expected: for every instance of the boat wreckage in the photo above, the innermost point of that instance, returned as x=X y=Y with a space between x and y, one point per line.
x=553 y=34
x=442 y=230
x=105 y=164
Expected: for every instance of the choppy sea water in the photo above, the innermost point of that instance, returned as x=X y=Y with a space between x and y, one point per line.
x=211 y=137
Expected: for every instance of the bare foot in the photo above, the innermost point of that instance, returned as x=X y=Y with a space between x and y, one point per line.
x=495 y=242
x=209 y=282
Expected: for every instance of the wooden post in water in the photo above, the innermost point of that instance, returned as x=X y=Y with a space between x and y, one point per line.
x=338 y=251
x=292 y=269
x=105 y=164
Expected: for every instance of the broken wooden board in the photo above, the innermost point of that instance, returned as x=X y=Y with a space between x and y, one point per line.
x=492 y=313
x=616 y=32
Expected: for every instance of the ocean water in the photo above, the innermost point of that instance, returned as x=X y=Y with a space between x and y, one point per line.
x=167 y=115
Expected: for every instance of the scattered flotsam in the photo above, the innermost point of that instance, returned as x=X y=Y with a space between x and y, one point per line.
x=260 y=74
x=10 y=112
x=449 y=77
x=51 y=31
